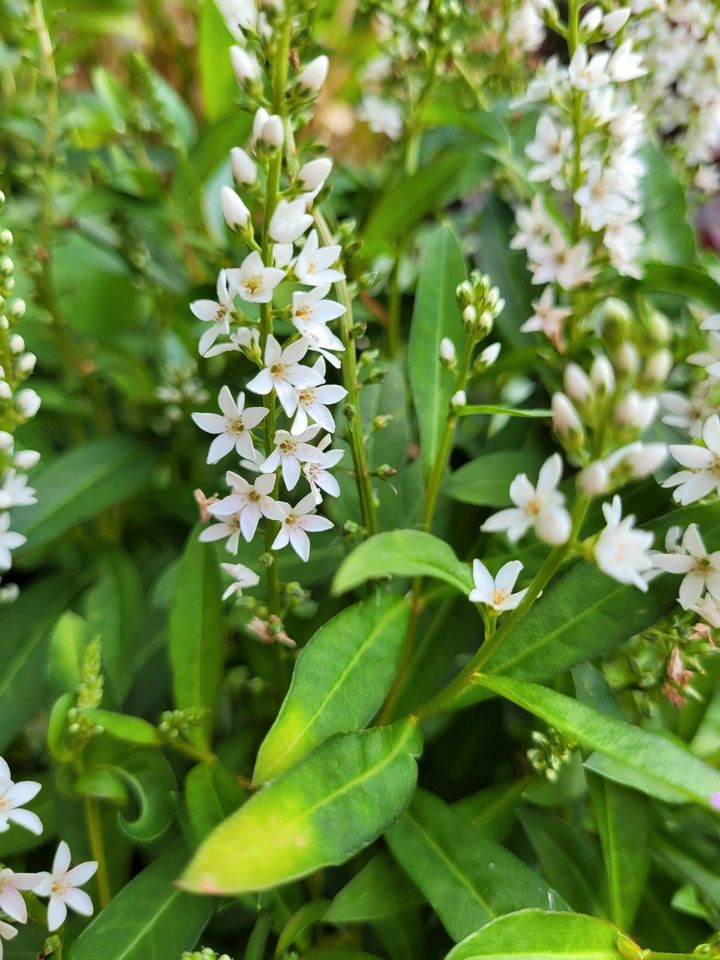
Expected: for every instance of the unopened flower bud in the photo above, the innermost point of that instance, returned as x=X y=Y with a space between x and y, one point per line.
x=313 y=76
x=458 y=399
x=6 y=441
x=627 y=359
x=464 y=292
x=448 y=357
x=5 y=390
x=382 y=420
x=593 y=479
x=16 y=309
x=577 y=384
x=643 y=459
x=469 y=316
x=614 y=21
x=385 y=471
x=17 y=344
x=237 y=215
x=313 y=174
x=489 y=355
x=565 y=419
x=28 y=403
x=272 y=133
x=658 y=367
x=592 y=20
x=602 y=376
x=245 y=66
x=636 y=411
x=659 y=327
x=26 y=364
x=243 y=166
x=553 y=527
x=26 y=459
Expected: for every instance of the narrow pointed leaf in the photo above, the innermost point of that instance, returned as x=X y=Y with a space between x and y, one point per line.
x=319 y=813
x=436 y=315
x=340 y=681
x=381 y=889
x=667 y=771
x=402 y=553
x=467 y=877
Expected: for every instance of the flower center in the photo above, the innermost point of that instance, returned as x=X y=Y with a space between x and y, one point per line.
x=306 y=396
x=303 y=313
x=288 y=447
x=533 y=506
x=220 y=313
x=254 y=496
x=499 y=597
x=60 y=887
x=310 y=268
x=236 y=426
x=253 y=285
x=277 y=369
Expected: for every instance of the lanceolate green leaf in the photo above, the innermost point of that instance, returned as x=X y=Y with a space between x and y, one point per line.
x=24 y=639
x=381 y=889
x=667 y=770
x=319 y=813
x=538 y=935
x=468 y=878
x=212 y=793
x=197 y=632
x=486 y=480
x=436 y=315
x=340 y=681
x=83 y=483
x=690 y=282
x=402 y=553
x=149 y=918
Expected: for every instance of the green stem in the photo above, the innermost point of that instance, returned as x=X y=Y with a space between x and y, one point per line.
x=195 y=753
x=94 y=829
x=279 y=87
x=554 y=560
x=578 y=99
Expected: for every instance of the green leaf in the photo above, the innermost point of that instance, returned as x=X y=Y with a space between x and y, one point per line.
x=670 y=237
x=82 y=484
x=436 y=315
x=493 y=809
x=494 y=409
x=668 y=771
x=212 y=793
x=24 y=642
x=467 y=877
x=319 y=813
x=217 y=80
x=690 y=282
x=486 y=480
x=381 y=889
x=538 y=935
x=124 y=727
x=339 y=683
x=197 y=633
x=148 y=918
x=303 y=919
x=402 y=553
x=115 y=613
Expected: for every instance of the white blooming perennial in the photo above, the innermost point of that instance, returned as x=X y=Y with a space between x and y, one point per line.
x=18 y=404
x=288 y=272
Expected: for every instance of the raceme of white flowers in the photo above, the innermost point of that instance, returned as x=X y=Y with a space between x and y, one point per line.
x=18 y=404
x=287 y=274
x=61 y=884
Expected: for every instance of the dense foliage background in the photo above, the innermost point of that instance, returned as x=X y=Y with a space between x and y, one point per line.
x=572 y=781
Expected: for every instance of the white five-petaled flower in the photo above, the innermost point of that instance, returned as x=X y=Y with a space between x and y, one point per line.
x=8 y=541
x=314 y=264
x=587 y=73
x=283 y=372
x=297 y=523
x=254 y=281
x=318 y=474
x=549 y=150
x=249 y=502
x=232 y=428
x=289 y=221
x=11 y=900
x=13 y=797
x=290 y=451
x=701 y=569
x=242 y=577
x=14 y=490
x=227 y=528
x=217 y=312
x=702 y=475
x=61 y=886
x=496 y=592
x=312 y=403
x=548 y=318
x=540 y=507
x=621 y=551
x=311 y=313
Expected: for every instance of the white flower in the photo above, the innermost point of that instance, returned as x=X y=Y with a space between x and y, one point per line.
x=297 y=523
x=601 y=196
x=232 y=428
x=565 y=419
x=626 y=64
x=61 y=885
x=311 y=313
x=242 y=577
x=701 y=569
x=217 y=312
x=268 y=128
x=702 y=475
x=540 y=507
x=248 y=502
x=11 y=900
x=243 y=166
x=638 y=460
x=15 y=491
x=290 y=451
x=488 y=356
x=312 y=403
x=313 y=75
x=312 y=267
x=710 y=358
x=28 y=403
x=13 y=797
x=614 y=21
x=238 y=15
x=534 y=227
x=313 y=175
x=245 y=65
x=526 y=30
x=382 y=116
x=577 y=384
x=636 y=411
x=227 y=529
x=253 y=280
x=7 y=932
x=593 y=479
x=587 y=73
x=549 y=150
x=496 y=593
x=602 y=376
x=289 y=221
x=621 y=551
x=556 y=262
x=244 y=338
x=234 y=210
x=548 y=318
x=709 y=610
x=283 y=372
x=318 y=474
x=8 y=541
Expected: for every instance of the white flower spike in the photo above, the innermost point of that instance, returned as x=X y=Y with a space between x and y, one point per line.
x=62 y=884
x=497 y=593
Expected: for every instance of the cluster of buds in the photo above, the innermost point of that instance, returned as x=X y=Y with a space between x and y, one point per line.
x=80 y=728
x=205 y=953
x=551 y=751
x=18 y=404
x=175 y=724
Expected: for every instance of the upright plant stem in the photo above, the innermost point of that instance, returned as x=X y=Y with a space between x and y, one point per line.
x=578 y=97
x=279 y=86
x=94 y=829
